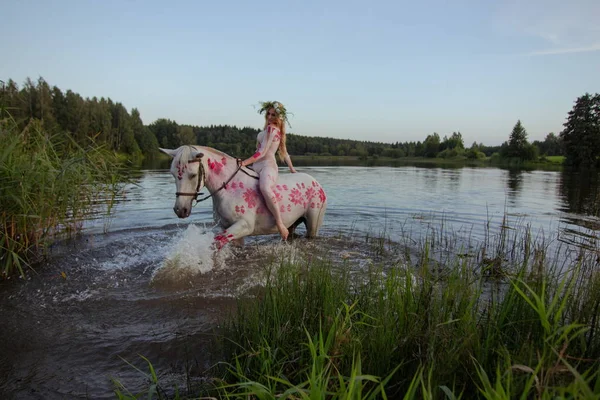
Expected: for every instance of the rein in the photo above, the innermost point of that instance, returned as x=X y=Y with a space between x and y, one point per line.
x=202 y=178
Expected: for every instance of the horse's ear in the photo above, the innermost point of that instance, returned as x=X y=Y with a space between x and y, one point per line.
x=170 y=152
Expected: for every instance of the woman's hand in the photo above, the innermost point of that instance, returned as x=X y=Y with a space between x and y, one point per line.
x=293 y=170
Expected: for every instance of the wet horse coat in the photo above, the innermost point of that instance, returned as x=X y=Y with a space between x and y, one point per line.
x=238 y=204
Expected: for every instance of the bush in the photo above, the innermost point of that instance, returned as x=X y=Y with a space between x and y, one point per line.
x=474 y=154
x=48 y=186
x=452 y=153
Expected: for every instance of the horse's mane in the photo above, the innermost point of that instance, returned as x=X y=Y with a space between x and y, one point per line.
x=218 y=152
x=185 y=154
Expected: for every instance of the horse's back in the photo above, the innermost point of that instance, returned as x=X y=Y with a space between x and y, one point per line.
x=296 y=177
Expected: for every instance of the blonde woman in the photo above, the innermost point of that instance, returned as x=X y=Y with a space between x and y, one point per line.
x=268 y=142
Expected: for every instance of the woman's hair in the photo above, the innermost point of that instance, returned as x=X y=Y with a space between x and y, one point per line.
x=281 y=127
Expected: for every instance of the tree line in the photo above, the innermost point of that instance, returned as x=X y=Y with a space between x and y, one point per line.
x=111 y=124
x=100 y=120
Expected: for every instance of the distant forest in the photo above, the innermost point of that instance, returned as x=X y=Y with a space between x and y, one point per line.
x=110 y=123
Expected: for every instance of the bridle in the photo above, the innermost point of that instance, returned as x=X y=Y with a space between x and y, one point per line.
x=202 y=178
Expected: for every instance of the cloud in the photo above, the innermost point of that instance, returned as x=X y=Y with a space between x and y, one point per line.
x=558 y=51
x=555 y=26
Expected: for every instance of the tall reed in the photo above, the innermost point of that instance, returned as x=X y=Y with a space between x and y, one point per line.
x=48 y=185
x=501 y=320
x=430 y=331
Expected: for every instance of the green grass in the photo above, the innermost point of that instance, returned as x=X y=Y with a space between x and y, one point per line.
x=48 y=186
x=398 y=327
x=503 y=322
x=556 y=159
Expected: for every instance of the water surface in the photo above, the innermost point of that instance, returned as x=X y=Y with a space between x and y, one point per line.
x=144 y=282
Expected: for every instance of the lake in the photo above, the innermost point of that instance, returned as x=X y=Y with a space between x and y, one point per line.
x=144 y=282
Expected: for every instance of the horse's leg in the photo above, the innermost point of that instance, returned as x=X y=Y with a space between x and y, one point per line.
x=314 y=220
x=235 y=232
x=292 y=228
x=238 y=242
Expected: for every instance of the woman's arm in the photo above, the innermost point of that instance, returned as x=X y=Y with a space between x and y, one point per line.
x=288 y=161
x=263 y=147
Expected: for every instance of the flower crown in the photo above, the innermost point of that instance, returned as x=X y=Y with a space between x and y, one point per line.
x=265 y=106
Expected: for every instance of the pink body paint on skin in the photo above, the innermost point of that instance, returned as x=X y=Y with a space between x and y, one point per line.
x=250 y=197
x=215 y=166
x=295 y=196
x=310 y=193
x=180 y=169
x=222 y=239
x=322 y=196
x=240 y=209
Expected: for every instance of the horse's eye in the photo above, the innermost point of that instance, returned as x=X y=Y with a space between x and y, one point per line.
x=192 y=176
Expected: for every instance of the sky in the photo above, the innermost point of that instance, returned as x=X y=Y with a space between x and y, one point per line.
x=385 y=71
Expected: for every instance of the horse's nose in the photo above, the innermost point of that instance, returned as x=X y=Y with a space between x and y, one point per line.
x=181 y=212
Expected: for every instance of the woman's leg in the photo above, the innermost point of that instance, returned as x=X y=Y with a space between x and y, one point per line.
x=268 y=179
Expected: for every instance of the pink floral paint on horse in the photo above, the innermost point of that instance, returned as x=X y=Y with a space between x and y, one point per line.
x=238 y=205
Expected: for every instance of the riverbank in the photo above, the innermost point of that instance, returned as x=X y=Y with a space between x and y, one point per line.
x=552 y=163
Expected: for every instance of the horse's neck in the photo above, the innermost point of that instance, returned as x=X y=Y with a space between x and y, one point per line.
x=219 y=169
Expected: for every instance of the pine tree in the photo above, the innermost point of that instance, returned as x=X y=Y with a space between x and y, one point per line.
x=517 y=145
x=581 y=136
x=143 y=136
x=518 y=140
x=44 y=105
x=59 y=107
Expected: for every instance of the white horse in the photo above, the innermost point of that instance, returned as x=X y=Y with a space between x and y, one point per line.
x=238 y=205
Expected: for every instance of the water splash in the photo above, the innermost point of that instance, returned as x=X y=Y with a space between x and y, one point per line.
x=190 y=254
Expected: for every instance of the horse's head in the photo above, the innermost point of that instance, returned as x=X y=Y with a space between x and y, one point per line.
x=189 y=176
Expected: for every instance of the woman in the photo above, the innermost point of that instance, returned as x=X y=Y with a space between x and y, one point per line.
x=271 y=139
